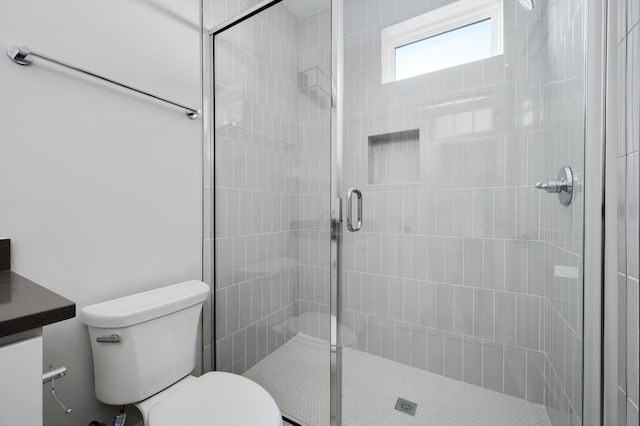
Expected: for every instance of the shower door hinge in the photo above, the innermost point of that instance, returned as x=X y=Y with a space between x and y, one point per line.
x=336 y=219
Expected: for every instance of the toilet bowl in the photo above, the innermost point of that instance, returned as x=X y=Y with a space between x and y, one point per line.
x=214 y=398
x=144 y=348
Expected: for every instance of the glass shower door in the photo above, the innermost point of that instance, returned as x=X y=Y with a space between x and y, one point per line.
x=459 y=283
x=272 y=140
x=461 y=292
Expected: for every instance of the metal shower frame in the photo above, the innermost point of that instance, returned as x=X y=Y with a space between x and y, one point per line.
x=595 y=406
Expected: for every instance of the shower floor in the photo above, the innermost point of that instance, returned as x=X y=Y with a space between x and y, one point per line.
x=297 y=376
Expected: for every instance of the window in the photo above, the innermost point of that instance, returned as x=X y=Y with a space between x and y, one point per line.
x=462 y=32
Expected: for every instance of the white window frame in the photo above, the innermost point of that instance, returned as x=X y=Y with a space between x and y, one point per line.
x=439 y=21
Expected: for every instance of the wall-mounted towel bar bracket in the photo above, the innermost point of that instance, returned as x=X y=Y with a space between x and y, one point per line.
x=22 y=55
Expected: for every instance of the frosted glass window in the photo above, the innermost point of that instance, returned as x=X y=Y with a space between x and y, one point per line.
x=459 y=46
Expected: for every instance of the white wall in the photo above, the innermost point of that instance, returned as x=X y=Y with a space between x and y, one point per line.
x=100 y=189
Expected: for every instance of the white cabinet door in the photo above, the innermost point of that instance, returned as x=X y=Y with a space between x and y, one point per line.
x=21 y=383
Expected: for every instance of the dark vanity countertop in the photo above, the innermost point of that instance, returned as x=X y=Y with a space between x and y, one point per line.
x=25 y=305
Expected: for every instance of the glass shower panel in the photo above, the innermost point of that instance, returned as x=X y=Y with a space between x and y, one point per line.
x=462 y=292
x=272 y=142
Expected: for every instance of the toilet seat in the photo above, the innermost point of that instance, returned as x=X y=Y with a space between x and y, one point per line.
x=213 y=399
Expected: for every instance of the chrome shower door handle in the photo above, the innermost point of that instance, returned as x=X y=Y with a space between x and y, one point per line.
x=350 y=226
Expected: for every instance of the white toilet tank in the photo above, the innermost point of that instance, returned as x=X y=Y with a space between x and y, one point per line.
x=148 y=341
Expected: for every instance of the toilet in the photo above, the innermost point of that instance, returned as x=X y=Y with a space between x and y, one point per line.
x=145 y=347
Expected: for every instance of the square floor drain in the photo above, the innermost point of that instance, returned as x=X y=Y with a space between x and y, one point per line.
x=407 y=407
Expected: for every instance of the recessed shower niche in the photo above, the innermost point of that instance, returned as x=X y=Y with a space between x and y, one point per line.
x=394 y=158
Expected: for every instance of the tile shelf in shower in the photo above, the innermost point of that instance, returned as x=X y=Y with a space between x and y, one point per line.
x=316 y=85
x=262 y=268
x=228 y=127
x=394 y=158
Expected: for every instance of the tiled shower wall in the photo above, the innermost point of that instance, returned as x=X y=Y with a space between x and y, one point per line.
x=448 y=272
x=313 y=171
x=628 y=94
x=453 y=273
x=562 y=143
x=272 y=184
x=255 y=188
x=218 y=11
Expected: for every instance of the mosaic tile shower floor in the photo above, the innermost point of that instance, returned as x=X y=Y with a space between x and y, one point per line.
x=297 y=376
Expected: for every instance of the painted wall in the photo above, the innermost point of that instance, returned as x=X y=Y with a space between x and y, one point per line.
x=101 y=188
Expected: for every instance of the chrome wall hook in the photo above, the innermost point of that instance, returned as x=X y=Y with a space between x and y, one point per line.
x=51 y=376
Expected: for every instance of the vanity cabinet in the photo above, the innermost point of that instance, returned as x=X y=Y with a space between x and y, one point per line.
x=21 y=385
x=25 y=307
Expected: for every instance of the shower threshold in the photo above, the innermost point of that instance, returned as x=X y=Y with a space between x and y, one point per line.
x=296 y=375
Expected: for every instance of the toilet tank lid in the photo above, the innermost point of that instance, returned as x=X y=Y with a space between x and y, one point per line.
x=137 y=308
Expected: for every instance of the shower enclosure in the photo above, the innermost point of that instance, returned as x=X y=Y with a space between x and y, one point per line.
x=391 y=242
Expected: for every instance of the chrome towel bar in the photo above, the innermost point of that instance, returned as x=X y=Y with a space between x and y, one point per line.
x=22 y=55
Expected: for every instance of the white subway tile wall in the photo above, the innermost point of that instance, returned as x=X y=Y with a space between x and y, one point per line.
x=628 y=39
